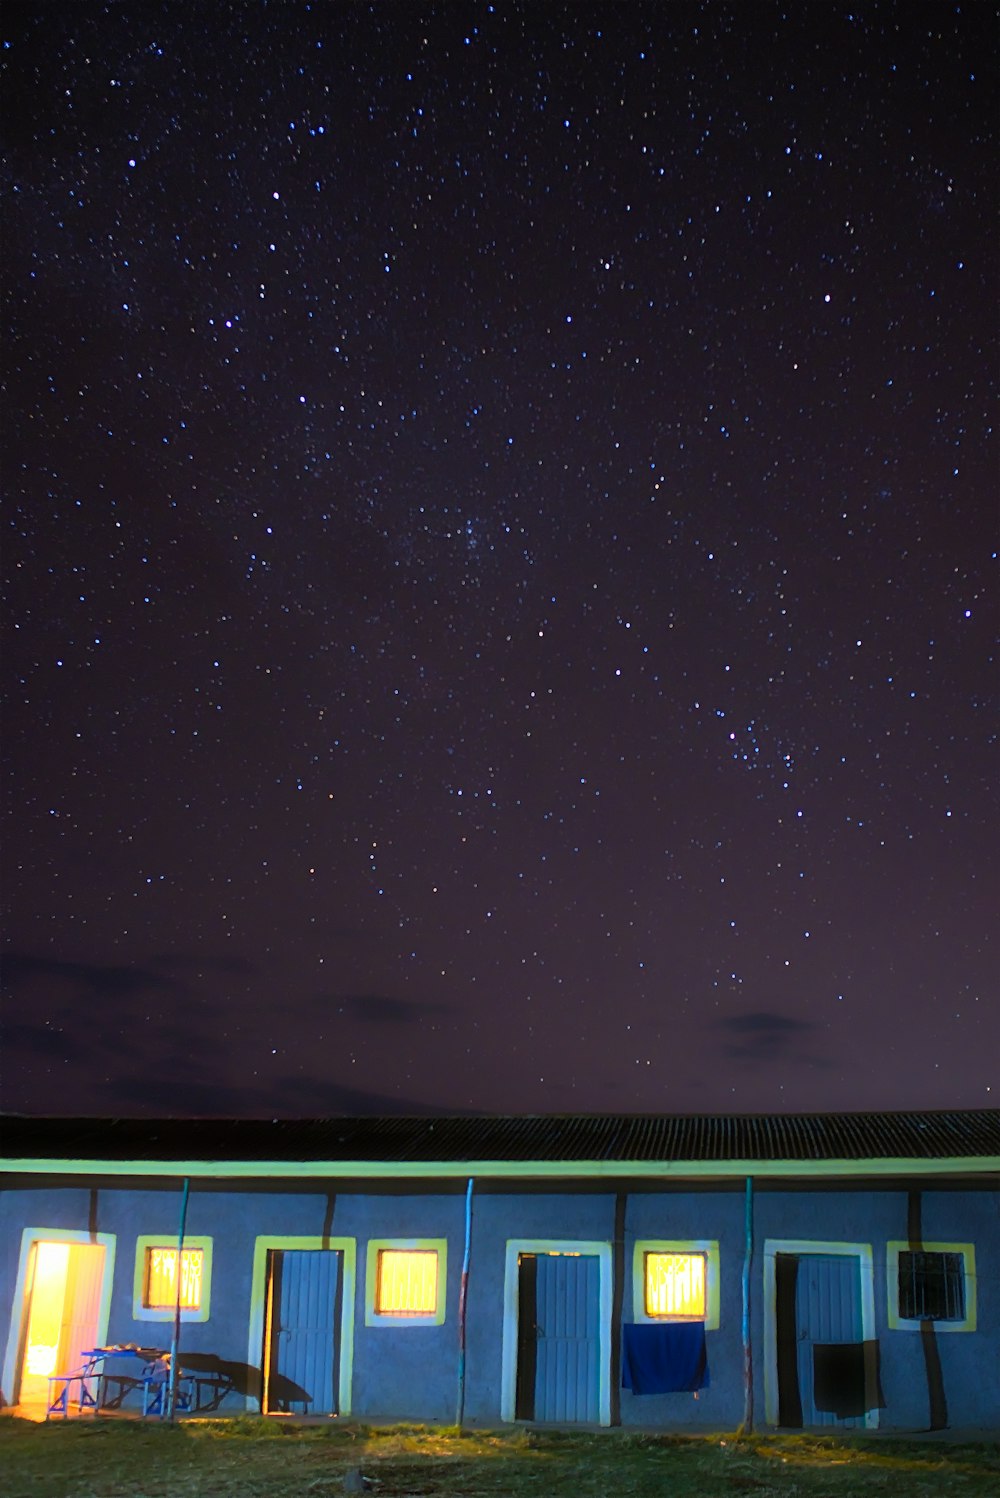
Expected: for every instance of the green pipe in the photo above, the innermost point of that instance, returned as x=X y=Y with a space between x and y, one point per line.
x=176 y=1338
x=463 y=1301
x=747 y=1348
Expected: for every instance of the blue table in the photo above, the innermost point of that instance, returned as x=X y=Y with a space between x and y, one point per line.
x=145 y=1368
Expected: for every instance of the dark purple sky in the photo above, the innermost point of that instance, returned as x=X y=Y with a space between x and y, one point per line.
x=500 y=552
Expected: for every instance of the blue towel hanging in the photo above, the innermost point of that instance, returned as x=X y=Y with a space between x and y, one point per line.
x=667 y=1357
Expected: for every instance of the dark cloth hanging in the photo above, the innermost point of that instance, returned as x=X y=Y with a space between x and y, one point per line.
x=846 y=1378
x=666 y=1357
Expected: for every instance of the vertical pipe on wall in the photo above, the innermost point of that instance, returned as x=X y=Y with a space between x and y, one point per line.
x=617 y=1302
x=176 y=1338
x=463 y=1300
x=747 y=1348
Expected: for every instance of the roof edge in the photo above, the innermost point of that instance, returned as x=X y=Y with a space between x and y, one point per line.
x=614 y=1168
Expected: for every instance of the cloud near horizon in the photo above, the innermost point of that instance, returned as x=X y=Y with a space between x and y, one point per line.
x=765 y=1035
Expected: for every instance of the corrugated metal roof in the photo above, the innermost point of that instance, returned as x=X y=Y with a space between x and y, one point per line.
x=973 y=1134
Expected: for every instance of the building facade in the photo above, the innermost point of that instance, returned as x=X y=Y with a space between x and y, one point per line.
x=686 y=1273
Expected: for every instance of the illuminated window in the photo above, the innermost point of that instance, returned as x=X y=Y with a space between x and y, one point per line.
x=406 y=1282
x=155 y=1290
x=161 y=1278
x=676 y=1281
x=675 y=1285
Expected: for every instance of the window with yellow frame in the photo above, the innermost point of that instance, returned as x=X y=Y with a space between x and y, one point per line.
x=931 y=1283
x=155 y=1296
x=406 y=1282
x=676 y=1281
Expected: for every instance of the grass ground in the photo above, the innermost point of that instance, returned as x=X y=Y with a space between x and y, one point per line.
x=253 y=1458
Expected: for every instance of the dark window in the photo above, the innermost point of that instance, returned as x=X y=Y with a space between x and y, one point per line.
x=931 y=1286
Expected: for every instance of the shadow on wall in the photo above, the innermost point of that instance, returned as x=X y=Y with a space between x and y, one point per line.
x=282 y=1394
x=847 y=1379
x=217 y=1377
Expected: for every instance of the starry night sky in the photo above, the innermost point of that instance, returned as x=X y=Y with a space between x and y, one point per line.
x=500 y=549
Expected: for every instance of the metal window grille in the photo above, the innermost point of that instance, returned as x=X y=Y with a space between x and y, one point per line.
x=931 y=1286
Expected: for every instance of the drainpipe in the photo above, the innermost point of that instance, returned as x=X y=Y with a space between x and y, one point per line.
x=176 y=1338
x=747 y=1348
x=617 y=1301
x=463 y=1302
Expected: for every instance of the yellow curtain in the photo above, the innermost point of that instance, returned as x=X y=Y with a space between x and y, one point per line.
x=407 y=1282
x=161 y=1278
x=675 y=1284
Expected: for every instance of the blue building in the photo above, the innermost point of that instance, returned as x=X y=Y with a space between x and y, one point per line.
x=681 y=1272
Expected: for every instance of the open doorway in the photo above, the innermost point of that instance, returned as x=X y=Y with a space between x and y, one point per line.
x=559 y=1338
x=65 y=1312
x=302 y=1329
x=820 y=1353
x=556 y=1353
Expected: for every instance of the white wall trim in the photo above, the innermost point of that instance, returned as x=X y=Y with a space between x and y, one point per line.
x=508 y=1364
x=263 y=1244
x=805 y=1246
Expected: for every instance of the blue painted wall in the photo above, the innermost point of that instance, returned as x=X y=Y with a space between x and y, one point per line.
x=411 y=1371
x=404 y=1371
x=498 y=1217
x=685 y=1216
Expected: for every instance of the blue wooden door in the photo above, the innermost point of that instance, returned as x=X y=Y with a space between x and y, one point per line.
x=304 y=1335
x=827 y=1317
x=568 y=1348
